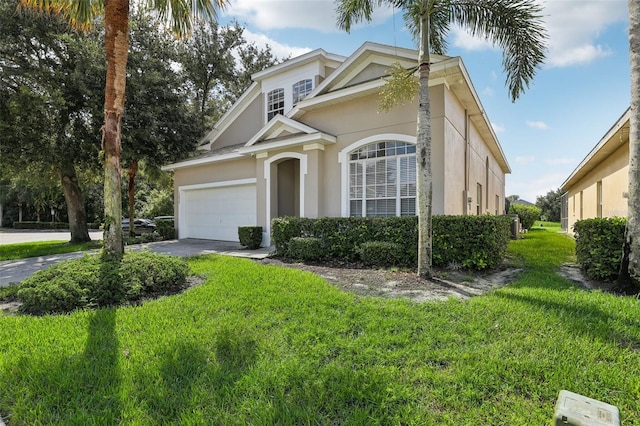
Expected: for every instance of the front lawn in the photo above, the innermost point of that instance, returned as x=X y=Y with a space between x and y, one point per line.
x=44 y=248
x=267 y=345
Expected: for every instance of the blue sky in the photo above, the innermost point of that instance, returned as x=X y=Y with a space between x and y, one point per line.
x=582 y=89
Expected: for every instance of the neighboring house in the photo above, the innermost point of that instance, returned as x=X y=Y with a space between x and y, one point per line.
x=598 y=186
x=307 y=139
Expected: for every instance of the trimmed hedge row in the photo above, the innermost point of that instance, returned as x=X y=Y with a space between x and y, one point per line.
x=28 y=224
x=477 y=242
x=599 y=246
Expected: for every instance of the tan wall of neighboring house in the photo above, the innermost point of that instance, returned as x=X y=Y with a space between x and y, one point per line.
x=613 y=172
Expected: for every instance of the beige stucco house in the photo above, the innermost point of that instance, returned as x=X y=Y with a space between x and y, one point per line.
x=307 y=139
x=598 y=186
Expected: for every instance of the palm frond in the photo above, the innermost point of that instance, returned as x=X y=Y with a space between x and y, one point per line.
x=514 y=25
x=182 y=14
x=79 y=13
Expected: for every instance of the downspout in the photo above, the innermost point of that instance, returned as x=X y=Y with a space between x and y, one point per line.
x=466 y=163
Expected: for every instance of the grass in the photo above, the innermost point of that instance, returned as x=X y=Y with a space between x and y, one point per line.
x=43 y=248
x=265 y=345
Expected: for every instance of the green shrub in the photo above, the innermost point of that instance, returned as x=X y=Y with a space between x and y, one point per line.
x=166 y=229
x=306 y=248
x=40 y=225
x=93 y=282
x=380 y=253
x=526 y=214
x=478 y=242
x=250 y=236
x=475 y=242
x=599 y=246
x=9 y=293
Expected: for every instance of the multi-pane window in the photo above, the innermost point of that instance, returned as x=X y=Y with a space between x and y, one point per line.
x=301 y=89
x=599 y=195
x=275 y=103
x=382 y=180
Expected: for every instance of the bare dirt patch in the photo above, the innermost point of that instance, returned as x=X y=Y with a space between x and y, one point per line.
x=394 y=283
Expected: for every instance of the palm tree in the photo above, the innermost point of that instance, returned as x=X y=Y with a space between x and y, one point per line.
x=629 y=277
x=514 y=25
x=81 y=13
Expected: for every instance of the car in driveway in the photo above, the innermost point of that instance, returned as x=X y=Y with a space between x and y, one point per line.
x=140 y=226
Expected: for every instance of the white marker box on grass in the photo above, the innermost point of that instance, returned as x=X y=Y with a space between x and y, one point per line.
x=577 y=410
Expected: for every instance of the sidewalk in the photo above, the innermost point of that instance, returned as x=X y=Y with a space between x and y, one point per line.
x=17 y=270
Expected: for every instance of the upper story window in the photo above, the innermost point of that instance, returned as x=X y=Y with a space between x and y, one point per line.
x=382 y=180
x=301 y=89
x=275 y=103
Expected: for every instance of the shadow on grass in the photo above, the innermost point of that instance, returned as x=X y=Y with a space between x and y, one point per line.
x=82 y=388
x=582 y=315
x=191 y=380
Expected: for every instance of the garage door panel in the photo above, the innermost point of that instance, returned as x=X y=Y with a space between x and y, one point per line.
x=216 y=213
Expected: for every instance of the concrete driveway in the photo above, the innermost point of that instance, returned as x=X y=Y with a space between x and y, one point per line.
x=17 y=270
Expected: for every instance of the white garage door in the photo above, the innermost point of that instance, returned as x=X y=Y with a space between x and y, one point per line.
x=216 y=213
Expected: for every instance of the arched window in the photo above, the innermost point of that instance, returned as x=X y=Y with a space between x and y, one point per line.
x=382 y=179
x=301 y=89
x=275 y=103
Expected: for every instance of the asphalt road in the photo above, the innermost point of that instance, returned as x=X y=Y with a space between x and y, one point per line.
x=13 y=236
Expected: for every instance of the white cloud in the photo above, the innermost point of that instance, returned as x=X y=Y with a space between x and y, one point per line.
x=308 y=14
x=573 y=27
x=524 y=160
x=279 y=50
x=538 y=125
x=488 y=91
x=497 y=127
x=530 y=189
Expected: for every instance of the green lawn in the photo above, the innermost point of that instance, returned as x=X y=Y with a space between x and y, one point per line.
x=43 y=248
x=266 y=345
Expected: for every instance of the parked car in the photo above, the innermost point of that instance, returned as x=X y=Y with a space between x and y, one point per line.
x=140 y=226
x=157 y=218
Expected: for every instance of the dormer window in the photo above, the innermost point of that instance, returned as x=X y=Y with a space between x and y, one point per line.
x=275 y=103
x=301 y=89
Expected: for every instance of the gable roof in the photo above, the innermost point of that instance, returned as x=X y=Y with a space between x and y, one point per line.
x=349 y=81
x=449 y=71
x=230 y=116
x=617 y=135
x=278 y=126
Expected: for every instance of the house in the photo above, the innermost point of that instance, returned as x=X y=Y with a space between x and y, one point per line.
x=598 y=186
x=307 y=139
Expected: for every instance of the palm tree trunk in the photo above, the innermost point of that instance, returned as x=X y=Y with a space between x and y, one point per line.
x=132 y=172
x=632 y=231
x=424 y=181
x=75 y=203
x=116 y=23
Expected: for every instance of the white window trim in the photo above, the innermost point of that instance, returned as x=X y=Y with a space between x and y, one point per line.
x=269 y=104
x=267 y=176
x=343 y=159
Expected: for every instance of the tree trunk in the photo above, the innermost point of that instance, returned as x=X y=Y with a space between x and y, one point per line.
x=75 y=203
x=133 y=170
x=424 y=179
x=116 y=22
x=632 y=230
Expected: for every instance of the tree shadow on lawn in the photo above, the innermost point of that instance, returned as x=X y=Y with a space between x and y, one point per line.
x=584 y=316
x=82 y=388
x=228 y=384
